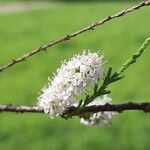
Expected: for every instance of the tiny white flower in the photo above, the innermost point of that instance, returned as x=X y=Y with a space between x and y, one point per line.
x=70 y=80
x=99 y=118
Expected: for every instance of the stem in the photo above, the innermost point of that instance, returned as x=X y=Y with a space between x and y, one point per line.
x=134 y=57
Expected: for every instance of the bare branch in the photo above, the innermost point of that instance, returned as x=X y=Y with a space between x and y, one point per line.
x=72 y=35
x=20 y=109
x=145 y=106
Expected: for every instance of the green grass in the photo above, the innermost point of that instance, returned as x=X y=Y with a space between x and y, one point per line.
x=118 y=39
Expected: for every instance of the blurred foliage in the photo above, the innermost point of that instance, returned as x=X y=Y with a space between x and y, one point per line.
x=21 y=32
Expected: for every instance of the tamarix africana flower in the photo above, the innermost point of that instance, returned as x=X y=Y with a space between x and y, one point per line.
x=70 y=80
x=99 y=118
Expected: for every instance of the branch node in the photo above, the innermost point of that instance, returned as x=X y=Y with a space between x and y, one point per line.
x=91 y=28
x=13 y=60
x=40 y=48
x=146 y=108
x=45 y=50
x=67 y=37
x=108 y=18
x=23 y=59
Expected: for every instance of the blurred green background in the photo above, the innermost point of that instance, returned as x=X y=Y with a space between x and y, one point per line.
x=24 y=30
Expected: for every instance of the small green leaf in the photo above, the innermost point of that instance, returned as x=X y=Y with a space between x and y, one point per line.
x=95 y=88
x=80 y=103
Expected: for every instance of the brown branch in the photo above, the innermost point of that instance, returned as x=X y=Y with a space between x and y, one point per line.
x=72 y=35
x=145 y=106
x=20 y=109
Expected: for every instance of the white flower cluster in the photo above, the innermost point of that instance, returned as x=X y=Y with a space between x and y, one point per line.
x=71 y=79
x=100 y=118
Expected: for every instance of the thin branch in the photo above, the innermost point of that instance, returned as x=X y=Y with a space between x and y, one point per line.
x=20 y=109
x=72 y=35
x=145 y=106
